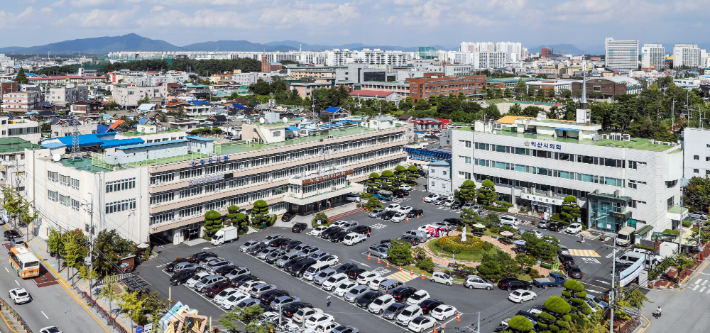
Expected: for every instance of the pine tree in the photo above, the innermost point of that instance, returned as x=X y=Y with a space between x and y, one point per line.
x=487 y=195
x=21 y=77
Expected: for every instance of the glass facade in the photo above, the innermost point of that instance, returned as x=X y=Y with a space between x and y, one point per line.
x=607 y=212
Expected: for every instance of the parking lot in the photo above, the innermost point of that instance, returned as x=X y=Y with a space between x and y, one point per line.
x=594 y=259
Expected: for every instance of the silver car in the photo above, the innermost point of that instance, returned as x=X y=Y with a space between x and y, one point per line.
x=283 y=300
x=318 y=254
x=269 y=239
x=352 y=295
x=215 y=265
x=286 y=258
x=475 y=281
x=308 y=251
x=378 y=251
x=265 y=252
x=393 y=311
x=324 y=275
x=237 y=272
x=185 y=266
x=249 y=245
x=260 y=289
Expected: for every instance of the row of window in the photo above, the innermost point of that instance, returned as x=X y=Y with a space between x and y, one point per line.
x=610 y=162
x=551 y=172
x=62 y=179
x=120 y=185
x=119 y=206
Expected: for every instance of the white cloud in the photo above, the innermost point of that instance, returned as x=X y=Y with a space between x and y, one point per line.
x=10 y=19
x=290 y=15
x=98 y=18
x=59 y=3
x=90 y=3
x=200 y=19
x=157 y=9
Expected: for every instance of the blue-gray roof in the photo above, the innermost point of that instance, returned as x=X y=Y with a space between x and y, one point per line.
x=67 y=141
x=292 y=128
x=124 y=142
x=153 y=144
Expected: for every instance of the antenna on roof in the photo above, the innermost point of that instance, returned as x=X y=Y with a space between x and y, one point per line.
x=75 y=141
x=583 y=101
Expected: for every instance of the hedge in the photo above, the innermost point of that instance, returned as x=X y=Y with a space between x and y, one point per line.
x=453 y=243
x=644 y=247
x=581 y=294
x=496 y=209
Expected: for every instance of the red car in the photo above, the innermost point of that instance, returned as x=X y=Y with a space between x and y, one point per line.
x=217 y=287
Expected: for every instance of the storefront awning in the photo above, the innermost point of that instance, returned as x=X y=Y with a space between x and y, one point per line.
x=644 y=230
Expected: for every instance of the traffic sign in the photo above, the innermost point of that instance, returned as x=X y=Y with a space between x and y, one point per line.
x=139 y=329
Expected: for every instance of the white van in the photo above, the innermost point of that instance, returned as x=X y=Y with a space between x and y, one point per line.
x=625 y=236
x=314 y=270
x=354 y=238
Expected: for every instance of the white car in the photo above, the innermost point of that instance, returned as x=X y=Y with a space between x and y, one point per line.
x=574 y=228
x=431 y=198
x=393 y=206
x=537 y=233
x=366 y=277
x=50 y=329
x=317 y=319
x=191 y=282
x=399 y=217
x=246 y=287
x=375 y=283
x=418 y=297
x=317 y=231
x=344 y=287
x=331 y=259
x=224 y=294
x=442 y=278
x=420 y=324
x=405 y=209
x=521 y=295
x=563 y=250
x=305 y=313
x=323 y=328
x=381 y=303
x=409 y=313
x=509 y=218
x=405 y=187
x=508 y=224
x=448 y=202
x=334 y=281
x=232 y=301
x=443 y=312
x=19 y=295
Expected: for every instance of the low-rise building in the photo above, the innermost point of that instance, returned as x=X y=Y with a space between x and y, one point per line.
x=21 y=101
x=433 y=85
x=439 y=178
x=129 y=96
x=69 y=93
x=611 y=86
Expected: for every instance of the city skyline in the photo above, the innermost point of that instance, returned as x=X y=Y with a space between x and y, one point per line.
x=408 y=23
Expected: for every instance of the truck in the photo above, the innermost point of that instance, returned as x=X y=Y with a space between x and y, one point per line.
x=552 y=280
x=228 y=234
x=384 y=195
x=625 y=236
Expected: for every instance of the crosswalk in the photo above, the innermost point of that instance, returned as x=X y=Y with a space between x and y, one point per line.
x=403 y=276
x=584 y=253
x=701 y=286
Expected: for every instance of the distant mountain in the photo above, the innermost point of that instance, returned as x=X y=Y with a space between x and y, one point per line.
x=97 y=45
x=236 y=45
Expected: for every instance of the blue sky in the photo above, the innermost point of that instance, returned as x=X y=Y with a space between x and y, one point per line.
x=387 y=22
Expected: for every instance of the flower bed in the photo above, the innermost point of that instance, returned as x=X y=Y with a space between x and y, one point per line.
x=454 y=243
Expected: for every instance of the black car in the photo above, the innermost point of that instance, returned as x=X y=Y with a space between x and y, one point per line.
x=429 y=305
x=362 y=229
x=298 y=227
x=415 y=213
x=456 y=205
x=329 y=232
x=513 y=284
x=199 y=256
x=11 y=233
x=240 y=280
x=344 y=268
x=573 y=271
x=290 y=309
x=410 y=239
x=271 y=295
x=566 y=259
x=355 y=272
x=224 y=270
x=388 y=215
x=554 y=226
x=257 y=248
x=337 y=238
x=401 y=294
x=298 y=269
x=288 y=216
x=399 y=193
x=279 y=242
x=292 y=262
x=171 y=266
x=181 y=277
x=367 y=298
x=454 y=221
x=291 y=245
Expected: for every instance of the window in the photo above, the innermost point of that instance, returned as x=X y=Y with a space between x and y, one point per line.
x=696 y=157
x=444 y=173
x=53 y=195
x=164 y=178
x=467 y=159
x=53 y=176
x=197 y=210
x=190 y=192
x=632 y=165
x=670 y=202
x=120 y=185
x=160 y=198
x=632 y=183
x=119 y=206
x=160 y=218
x=696 y=171
x=443 y=185
x=74 y=183
x=75 y=205
x=64 y=200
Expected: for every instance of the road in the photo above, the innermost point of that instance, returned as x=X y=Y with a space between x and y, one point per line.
x=50 y=306
x=595 y=263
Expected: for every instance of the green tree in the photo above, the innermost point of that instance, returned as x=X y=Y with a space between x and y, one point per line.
x=515 y=110
x=213 y=222
x=421 y=105
x=260 y=87
x=628 y=297
x=144 y=100
x=490 y=270
x=467 y=191
x=109 y=293
x=468 y=216
x=389 y=182
x=21 y=77
x=507 y=93
x=259 y=213
x=109 y=248
x=133 y=305
x=373 y=203
x=373 y=182
x=246 y=320
x=400 y=253
x=320 y=216
x=520 y=324
x=493 y=219
x=412 y=172
x=487 y=195
x=570 y=210
x=557 y=305
x=525 y=260
x=520 y=87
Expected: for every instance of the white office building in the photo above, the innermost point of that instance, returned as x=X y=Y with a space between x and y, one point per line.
x=696 y=152
x=487 y=60
x=621 y=54
x=653 y=56
x=687 y=55
x=535 y=163
x=439 y=178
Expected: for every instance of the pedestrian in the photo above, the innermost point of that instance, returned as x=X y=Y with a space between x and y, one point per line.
x=328 y=301
x=659 y=311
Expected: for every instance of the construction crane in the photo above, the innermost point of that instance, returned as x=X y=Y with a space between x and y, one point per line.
x=562 y=52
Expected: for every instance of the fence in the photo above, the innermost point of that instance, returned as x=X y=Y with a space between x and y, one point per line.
x=110 y=320
x=17 y=316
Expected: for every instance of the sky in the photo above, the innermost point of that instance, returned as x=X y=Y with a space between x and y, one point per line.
x=387 y=22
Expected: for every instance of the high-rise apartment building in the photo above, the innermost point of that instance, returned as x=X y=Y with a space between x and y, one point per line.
x=688 y=55
x=653 y=56
x=545 y=52
x=621 y=54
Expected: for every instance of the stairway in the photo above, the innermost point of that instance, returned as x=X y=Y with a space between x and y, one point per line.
x=13 y=324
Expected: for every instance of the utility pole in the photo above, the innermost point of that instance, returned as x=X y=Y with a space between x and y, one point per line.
x=611 y=294
x=91 y=243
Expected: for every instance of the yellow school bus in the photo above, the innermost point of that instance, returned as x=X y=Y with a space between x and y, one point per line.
x=24 y=262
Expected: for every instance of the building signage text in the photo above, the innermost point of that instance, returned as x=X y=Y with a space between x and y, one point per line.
x=317 y=179
x=545 y=145
x=206 y=179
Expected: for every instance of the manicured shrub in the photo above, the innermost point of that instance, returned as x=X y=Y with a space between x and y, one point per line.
x=554 y=328
x=557 y=305
x=574 y=285
x=566 y=293
x=567 y=318
x=576 y=301
x=520 y=323
x=581 y=294
x=487 y=246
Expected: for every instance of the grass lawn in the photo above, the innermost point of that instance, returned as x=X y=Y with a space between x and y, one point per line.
x=497 y=100
x=471 y=256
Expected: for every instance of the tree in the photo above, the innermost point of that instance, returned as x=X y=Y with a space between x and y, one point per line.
x=320 y=216
x=422 y=105
x=520 y=87
x=468 y=216
x=412 y=172
x=557 y=305
x=21 y=77
x=373 y=182
x=259 y=213
x=520 y=324
x=490 y=270
x=373 y=203
x=260 y=87
x=144 y=100
x=109 y=248
x=108 y=291
x=628 y=297
x=515 y=110
x=389 y=182
x=487 y=195
x=18 y=207
x=246 y=320
x=213 y=222
x=525 y=260
x=491 y=112
x=400 y=253
x=493 y=219
x=507 y=93
x=570 y=210
x=467 y=191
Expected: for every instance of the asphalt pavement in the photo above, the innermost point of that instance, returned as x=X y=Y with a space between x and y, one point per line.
x=595 y=262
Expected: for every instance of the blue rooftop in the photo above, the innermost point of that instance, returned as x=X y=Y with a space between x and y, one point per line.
x=332 y=109
x=292 y=128
x=67 y=141
x=198 y=103
x=124 y=142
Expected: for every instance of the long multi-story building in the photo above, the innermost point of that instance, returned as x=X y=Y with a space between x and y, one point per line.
x=687 y=55
x=70 y=93
x=21 y=101
x=163 y=189
x=621 y=54
x=536 y=162
x=434 y=85
x=488 y=60
x=653 y=56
